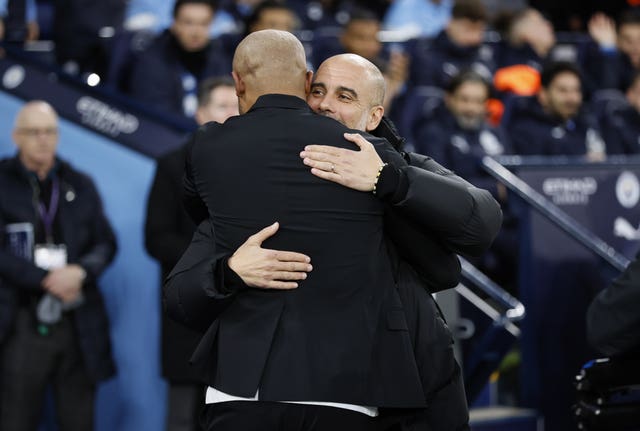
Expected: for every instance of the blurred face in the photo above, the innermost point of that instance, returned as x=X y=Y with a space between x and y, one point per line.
x=361 y=37
x=468 y=104
x=191 y=26
x=340 y=92
x=536 y=30
x=276 y=19
x=36 y=136
x=466 y=33
x=222 y=105
x=563 y=98
x=629 y=42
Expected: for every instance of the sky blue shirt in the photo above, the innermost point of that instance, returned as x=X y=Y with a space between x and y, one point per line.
x=418 y=18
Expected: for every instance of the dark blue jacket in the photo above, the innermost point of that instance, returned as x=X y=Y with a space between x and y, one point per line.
x=621 y=131
x=461 y=150
x=531 y=131
x=157 y=77
x=90 y=243
x=435 y=61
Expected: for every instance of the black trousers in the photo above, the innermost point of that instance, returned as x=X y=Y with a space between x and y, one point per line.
x=272 y=416
x=31 y=362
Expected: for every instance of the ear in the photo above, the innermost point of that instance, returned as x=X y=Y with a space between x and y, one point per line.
x=239 y=84
x=198 y=116
x=375 y=116
x=307 y=83
x=543 y=97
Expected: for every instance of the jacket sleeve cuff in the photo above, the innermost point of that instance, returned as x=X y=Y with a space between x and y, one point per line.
x=226 y=278
x=392 y=184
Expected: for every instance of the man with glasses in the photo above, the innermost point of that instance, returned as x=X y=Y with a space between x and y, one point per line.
x=54 y=243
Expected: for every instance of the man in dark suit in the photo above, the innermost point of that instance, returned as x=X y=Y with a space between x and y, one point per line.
x=168 y=230
x=613 y=321
x=322 y=342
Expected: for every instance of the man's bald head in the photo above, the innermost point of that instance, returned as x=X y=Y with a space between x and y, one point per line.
x=350 y=89
x=269 y=62
x=36 y=135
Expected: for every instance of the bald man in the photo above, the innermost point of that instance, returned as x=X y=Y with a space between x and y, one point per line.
x=53 y=325
x=330 y=352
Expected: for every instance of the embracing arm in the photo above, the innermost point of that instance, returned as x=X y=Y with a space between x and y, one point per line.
x=204 y=281
x=462 y=217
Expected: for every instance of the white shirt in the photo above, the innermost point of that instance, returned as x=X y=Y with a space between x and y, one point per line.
x=215 y=396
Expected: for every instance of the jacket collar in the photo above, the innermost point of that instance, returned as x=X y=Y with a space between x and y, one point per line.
x=279 y=101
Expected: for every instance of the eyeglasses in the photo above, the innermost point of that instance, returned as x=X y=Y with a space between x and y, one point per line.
x=32 y=132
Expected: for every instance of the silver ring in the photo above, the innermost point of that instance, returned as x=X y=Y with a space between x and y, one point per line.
x=333 y=167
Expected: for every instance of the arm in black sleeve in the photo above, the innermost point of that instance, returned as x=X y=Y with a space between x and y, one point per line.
x=103 y=244
x=162 y=236
x=201 y=285
x=193 y=204
x=464 y=218
x=613 y=320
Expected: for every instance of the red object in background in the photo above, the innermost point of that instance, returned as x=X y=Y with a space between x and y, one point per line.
x=495 y=109
x=519 y=79
x=633 y=2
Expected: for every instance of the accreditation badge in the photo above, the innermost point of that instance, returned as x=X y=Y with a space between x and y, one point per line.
x=50 y=256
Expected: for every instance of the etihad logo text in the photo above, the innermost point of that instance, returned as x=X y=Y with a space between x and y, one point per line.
x=104 y=118
x=570 y=191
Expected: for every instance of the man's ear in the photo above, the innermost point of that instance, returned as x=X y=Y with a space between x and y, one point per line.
x=307 y=83
x=375 y=116
x=543 y=98
x=239 y=84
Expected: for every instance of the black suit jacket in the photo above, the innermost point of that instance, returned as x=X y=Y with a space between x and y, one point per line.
x=167 y=233
x=342 y=335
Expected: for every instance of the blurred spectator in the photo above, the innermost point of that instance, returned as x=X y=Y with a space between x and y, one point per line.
x=528 y=39
x=617 y=54
x=458 y=137
x=360 y=36
x=418 y=18
x=155 y=16
x=168 y=231
x=268 y=14
x=167 y=73
x=497 y=7
x=18 y=20
x=272 y=15
x=458 y=47
x=553 y=122
x=613 y=321
x=621 y=123
x=55 y=242
x=82 y=31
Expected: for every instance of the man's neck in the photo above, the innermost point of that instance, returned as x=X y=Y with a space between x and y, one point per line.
x=41 y=170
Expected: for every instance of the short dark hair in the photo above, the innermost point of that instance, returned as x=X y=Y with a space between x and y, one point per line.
x=629 y=17
x=473 y=10
x=464 y=77
x=213 y=4
x=208 y=85
x=265 y=5
x=362 y=14
x=551 y=70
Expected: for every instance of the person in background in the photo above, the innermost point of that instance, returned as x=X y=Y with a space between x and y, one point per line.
x=458 y=137
x=620 y=123
x=55 y=243
x=418 y=18
x=19 y=20
x=458 y=47
x=167 y=73
x=360 y=36
x=554 y=121
x=168 y=230
x=613 y=321
x=614 y=59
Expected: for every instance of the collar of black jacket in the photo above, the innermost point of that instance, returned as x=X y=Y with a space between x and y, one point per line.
x=279 y=101
x=20 y=169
